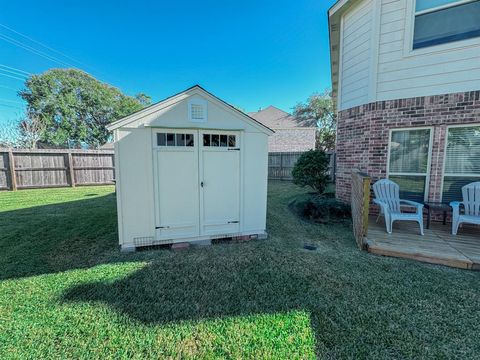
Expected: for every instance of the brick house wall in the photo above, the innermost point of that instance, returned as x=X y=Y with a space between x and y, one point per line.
x=363 y=134
x=292 y=140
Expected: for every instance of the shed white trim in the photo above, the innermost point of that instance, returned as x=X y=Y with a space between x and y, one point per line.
x=194 y=90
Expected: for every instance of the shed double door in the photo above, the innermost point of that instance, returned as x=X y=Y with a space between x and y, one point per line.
x=197 y=180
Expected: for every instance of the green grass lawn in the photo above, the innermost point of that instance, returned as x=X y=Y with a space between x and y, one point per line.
x=67 y=292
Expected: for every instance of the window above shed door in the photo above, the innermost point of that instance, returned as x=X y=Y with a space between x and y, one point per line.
x=173 y=139
x=197 y=110
x=219 y=140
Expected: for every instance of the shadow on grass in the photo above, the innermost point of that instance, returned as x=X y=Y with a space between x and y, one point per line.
x=215 y=283
x=232 y=279
x=58 y=237
x=357 y=304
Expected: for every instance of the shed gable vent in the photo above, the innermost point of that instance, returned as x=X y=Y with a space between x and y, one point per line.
x=197 y=110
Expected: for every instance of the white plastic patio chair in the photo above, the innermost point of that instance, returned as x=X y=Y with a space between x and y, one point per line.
x=471 y=206
x=387 y=196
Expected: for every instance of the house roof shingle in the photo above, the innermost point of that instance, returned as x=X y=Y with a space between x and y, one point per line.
x=275 y=118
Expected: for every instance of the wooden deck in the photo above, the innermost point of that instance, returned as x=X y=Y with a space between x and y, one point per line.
x=437 y=246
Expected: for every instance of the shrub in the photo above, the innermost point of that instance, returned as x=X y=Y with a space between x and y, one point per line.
x=320 y=209
x=311 y=170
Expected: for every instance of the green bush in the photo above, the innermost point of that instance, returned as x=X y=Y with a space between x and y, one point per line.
x=320 y=209
x=311 y=170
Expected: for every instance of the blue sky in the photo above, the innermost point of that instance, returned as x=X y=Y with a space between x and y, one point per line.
x=249 y=53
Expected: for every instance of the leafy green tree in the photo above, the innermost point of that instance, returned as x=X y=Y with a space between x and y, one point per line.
x=74 y=108
x=319 y=111
x=311 y=170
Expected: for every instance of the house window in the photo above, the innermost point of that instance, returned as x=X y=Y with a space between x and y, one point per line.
x=443 y=21
x=462 y=161
x=171 y=139
x=197 y=110
x=408 y=162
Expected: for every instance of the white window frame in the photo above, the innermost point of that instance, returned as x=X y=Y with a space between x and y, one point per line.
x=198 y=102
x=174 y=132
x=445 y=156
x=409 y=31
x=220 y=133
x=429 y=158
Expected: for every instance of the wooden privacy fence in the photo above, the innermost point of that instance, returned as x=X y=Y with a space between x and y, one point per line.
x=23 y=169
x=280 y=165
x=360 y=204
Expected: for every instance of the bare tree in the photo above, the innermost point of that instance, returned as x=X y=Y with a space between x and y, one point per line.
x=9 y=134
x=31 y=129
x=23 y=133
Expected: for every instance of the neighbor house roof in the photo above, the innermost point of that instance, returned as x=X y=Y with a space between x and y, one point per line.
x=275 y=118
x=196 y=89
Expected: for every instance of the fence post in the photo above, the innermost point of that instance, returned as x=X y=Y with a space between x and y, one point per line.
x=333 y=154
x=70 y=169
x=360 y=206
x=366 y=203
x=281 y=166
x=11 y=164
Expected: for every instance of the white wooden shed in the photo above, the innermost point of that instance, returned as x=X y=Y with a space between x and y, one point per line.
x=190 y=168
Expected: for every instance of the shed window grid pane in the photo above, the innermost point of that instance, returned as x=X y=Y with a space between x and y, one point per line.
x=170 y=139
x=223 y=140
x=462 y=161
x=206 y=139
x=197 y=112
x=161 y=139
x=180 y=140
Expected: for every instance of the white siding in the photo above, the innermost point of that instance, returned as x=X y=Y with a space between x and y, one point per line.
x=134 y=184
x=356 y=55
x=255 y=165
x=435 y=70
x=377 y=62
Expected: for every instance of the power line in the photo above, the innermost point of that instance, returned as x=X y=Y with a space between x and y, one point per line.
x=8 y=87
x=12 y=106
x=14 y=73
x=39 y=52
x=12 y=101
x=33 y=50
x=43 y=45
x=13 y=77
x=15 y=69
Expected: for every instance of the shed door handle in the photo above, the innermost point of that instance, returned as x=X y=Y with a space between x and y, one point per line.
x=201 y=184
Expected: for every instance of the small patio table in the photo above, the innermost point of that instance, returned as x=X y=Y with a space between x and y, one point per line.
x=436 y=206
